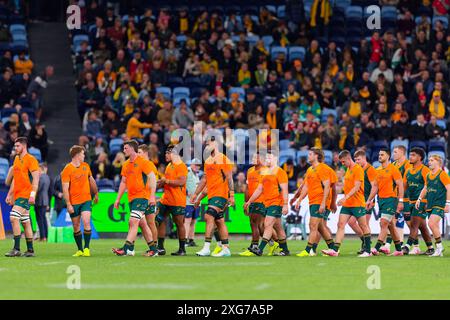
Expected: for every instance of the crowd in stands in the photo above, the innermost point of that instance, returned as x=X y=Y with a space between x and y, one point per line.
x=310 y=68
x=21 y=89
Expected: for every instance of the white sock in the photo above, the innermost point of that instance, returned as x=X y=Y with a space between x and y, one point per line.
x=219 y=243
x=416 y=246
x=408 y=246
x=439 y=245
x=271 y=242
x=387 y=245
x=207 y=245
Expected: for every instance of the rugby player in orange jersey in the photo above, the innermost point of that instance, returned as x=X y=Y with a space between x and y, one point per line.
x=22 y=194
x=78 y=185
x=218 y=179
x=173 y=201
x=257 y=210
x=317 y=186
x=150 y=212
x=353 y=204
x=135 y=174
x=390 y=201
x=273 y=183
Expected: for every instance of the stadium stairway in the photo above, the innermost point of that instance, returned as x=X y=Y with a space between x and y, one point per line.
x=49 y=46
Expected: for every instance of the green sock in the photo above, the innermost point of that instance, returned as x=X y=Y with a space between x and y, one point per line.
x=78 y=240
x=330 y=243
x=389 y=239
x=263 y=244
x=379 y=245
x=398 y=245
x=216 y=235
x=314 y=247
x=283 y=244
x=87 y=238
x=367 y=243
x=127 y=246
x=309 y=247
x=225 y=242
x=17 y=242
x=132 y=246
x=254 y=243
x=410 y=241
x=336 y=246
x=182 y=244
x=160 y=243
x=362 y=241
x=416 y=242
x=429 y=244
x=29 y=244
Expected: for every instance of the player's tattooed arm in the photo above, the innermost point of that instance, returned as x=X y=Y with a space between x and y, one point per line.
x=231 y=187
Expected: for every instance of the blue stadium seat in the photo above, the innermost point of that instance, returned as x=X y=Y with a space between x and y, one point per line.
x=443 y=19
x=376 y=164
x=181 y=92
x=328 y=156
x=284 y=144
x=434 y=145
x=287 y=154
x=17 y=27
x=302 y=154
x=115 y=145
x=252 y=40
x=166 y=91
x=268 y=40
x=442 y=124
x=281 y=12
x=19 y=37
x=418 y=144
x=389 y=12
x=355 y=12
x=343 y=3
x=7 y=112
x=275 y=51
x=4 y=163
x=418 y=19
x=177 y=101
x=181 y=38
x=174 y=82
x=192 y=82
x=297 y=53
x=103 y=184
x=35 y=153
x=79 y=38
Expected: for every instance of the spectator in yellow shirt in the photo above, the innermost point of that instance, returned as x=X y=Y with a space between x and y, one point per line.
x=207 y=63
x=134 y=126
x=23 y=64
x=244 y=76
x=219 y=119
x=437 y=106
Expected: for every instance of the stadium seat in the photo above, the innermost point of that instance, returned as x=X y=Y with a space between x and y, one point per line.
x=442 y=124
x=343 y=3
x=376 y=164
x=443 y=19
x=79 y=38
x=115 y=145
x=326 y=112
x=418 y=144
x=252 y=39
x=7 y=112
x=434 y=145
x=287 y=154
x=4 y=164
x=268 y=40
x=177 y=101
x=355 y=12
x=328 y=156
x=19 y=37
x=104 y=184
x=284 y=144
x=35 y=153
x=302 y=154
x=281 y=12
x=174 y=82
x=275 y=51
x=192 y=82
x=297 y=53
x=181 y=92
x=166 y=91
x=389 y=12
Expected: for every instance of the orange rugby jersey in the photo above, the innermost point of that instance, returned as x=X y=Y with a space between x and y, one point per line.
x=215 y=172
x=78 y=179
x=386 y=181
x=271 y=181
x=253 y=180
x=22 y=169
x=314 y=179
x=351 y=177
x=136 y=174
x=175 y=196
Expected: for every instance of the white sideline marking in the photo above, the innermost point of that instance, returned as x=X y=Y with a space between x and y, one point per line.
x=262 y=286
x=200 y=264
x=321 y=264
x=115 y=286
x=50 y=263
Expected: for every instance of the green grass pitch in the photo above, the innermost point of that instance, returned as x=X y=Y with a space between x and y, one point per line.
x=105 y=276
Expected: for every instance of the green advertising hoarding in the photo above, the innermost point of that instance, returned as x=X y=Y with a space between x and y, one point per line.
x=108 y=219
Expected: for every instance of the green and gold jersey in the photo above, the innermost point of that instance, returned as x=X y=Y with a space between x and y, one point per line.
x=415 y=181
x=436 y=189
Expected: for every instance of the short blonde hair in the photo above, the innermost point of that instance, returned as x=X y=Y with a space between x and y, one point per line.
x=437 y=158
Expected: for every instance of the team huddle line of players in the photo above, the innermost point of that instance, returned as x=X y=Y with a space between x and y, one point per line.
x=404 y=189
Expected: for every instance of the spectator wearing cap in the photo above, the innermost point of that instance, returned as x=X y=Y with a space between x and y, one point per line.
x=183 y=116
x=23 y=64
x=134 y=126
x=437 y=107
